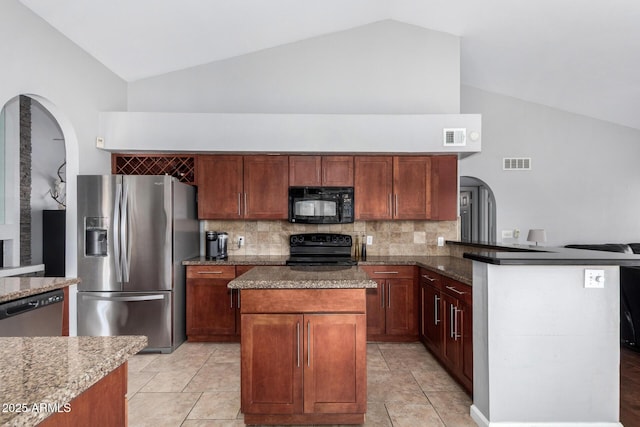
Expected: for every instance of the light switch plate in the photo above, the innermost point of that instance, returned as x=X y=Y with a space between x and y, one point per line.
x=593 y=278
x=369 y=240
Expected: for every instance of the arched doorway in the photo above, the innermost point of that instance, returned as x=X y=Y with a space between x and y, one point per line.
x=67 y=142
x=477 y=211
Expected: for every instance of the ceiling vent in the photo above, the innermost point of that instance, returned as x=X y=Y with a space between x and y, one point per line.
x=457 y=136
x=516 y=163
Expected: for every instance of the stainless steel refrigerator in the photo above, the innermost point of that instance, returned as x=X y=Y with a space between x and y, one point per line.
x=133 y=234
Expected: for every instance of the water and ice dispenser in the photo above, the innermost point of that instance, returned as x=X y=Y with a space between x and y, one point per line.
x=95 y=235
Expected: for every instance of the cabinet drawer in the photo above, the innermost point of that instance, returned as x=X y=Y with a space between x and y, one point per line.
x=389 y=271
x=456 y=289
x=211 y=272
x=428 y=277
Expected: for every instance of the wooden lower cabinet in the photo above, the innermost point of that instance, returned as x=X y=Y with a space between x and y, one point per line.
x=392 y=308
x=102 y=404
x=446 y=324
x=212 y=309
x=304 y=367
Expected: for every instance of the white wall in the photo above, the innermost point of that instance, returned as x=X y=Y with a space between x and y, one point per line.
x=585 y=180
x=384 y=67
x=47 y=154
x=74 y=87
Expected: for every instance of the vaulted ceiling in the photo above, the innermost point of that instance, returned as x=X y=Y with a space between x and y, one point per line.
x=581 y=56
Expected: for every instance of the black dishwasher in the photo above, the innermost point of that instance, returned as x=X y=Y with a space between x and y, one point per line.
x=32 y=316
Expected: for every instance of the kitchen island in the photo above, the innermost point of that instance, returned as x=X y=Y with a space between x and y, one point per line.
x=303 y=351
x=65 y=380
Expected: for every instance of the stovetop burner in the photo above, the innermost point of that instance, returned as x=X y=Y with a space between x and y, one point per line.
x=320 y=249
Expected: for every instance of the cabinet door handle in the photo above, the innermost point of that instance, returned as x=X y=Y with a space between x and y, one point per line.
x=431 y=279
x=239 y=204
x=210 y=272
x=451 y=288
x=298 y=340
x=389 y=295
x=436 y=305
x=231 y=298
x=245 y=203
x=396 y=206
x=456 y=335
x=382 y=296
x=238 y=290
x=422 y=310
x=386 y=272
x=390 y=206
x=308 y=343
x=451 y=331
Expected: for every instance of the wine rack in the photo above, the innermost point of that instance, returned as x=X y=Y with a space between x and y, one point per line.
x=176 y=165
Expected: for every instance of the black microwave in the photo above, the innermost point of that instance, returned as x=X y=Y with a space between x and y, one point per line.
x=321 y=205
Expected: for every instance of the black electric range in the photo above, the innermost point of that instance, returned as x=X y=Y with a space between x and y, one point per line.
x=314 y=249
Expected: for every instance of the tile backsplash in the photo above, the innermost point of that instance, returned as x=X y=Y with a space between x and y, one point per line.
x=389 y=237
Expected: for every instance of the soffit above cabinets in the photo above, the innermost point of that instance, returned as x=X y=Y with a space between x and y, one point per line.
x=277 y=133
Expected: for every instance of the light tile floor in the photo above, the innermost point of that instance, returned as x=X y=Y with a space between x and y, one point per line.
x=198 y=385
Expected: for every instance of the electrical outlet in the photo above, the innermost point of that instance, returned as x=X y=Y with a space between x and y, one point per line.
x=440 y=241
x=99 y=142
x=593 y=278
x=240 y=241
x=369 y=240
x=507 y=234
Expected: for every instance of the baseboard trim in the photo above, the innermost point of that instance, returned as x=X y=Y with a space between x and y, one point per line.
x=482 y=421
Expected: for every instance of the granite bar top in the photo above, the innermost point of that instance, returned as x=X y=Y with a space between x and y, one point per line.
x=294 y=277
x=536 y=255
x=12 y=288
x=55 y=370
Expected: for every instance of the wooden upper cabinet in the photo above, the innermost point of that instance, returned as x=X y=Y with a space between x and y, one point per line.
x=330 y=171
x=266 y=187
x=373 y=187
x=412 y=187
x=220 y=186
x=444 y=187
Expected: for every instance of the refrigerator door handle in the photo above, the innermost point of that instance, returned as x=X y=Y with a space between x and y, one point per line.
x=124 y=233
x=136 y=298
x=116 y=233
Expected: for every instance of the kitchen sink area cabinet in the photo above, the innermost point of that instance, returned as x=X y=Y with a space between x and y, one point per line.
x=457 y=346
x=392 y=308
x=212 y=308
x=330 y=171
x=431 y=332
x=249 y=187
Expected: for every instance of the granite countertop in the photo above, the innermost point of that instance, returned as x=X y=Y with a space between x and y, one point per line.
x=239 y=260
x=293 y=277
x=453 y=267
x=55 y=370
x=12 y=288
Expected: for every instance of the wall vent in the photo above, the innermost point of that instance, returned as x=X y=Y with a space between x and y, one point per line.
x=457 y=136
x=516 y=163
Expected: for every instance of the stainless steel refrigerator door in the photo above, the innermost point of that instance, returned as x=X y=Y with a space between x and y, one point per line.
x=127 y=313
x=97 y=208
x=147 y=231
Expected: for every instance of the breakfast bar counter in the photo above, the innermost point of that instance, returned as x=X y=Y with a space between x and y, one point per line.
x=12 y=288
x=303 y=277
x=44 y=378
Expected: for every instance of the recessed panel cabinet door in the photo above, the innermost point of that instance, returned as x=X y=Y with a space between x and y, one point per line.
x=210 y=308
x=401 y=316
x=220 y=191
x=373 y=187
x=266 y=187
x=272 y=363
x=376 y=309
x=335 y=363
x=431 y=317
x=411 y=187
x=337 y=171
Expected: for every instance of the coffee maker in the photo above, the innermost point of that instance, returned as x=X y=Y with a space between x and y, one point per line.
x=216 y=245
